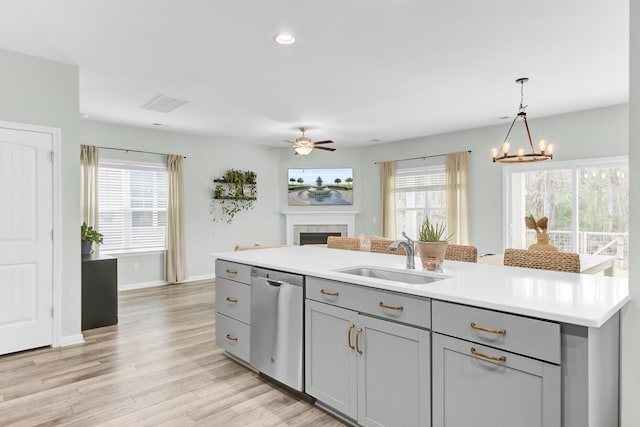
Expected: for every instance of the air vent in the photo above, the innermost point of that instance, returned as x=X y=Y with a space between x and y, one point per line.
x=163 y=104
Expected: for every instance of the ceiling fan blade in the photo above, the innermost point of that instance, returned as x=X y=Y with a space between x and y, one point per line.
x=323 y=142
x=324 y=148
x=286 y=140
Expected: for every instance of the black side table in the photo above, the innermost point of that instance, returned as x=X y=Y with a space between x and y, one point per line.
x=99 y=291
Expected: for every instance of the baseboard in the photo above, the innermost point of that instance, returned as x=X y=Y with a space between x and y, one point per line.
x=142 y=285
x=71 y=340
x=200 y=278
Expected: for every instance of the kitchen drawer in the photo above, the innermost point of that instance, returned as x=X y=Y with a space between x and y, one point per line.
x=233 y=299
x=388 y=305
x=233 y=336
x=531 y=337
x=233 y=271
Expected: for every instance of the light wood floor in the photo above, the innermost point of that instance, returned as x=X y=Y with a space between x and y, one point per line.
x=158 y=367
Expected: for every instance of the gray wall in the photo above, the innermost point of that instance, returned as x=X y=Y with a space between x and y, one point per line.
x=601 y=132
x=630 y=373
x=45 y=93
x=206 y=159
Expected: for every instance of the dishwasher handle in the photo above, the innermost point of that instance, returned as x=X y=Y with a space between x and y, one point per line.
x=275 y=283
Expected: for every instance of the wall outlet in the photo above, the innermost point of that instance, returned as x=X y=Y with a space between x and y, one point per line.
x=136 y=266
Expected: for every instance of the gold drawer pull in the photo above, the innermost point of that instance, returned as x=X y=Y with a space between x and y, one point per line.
x=486 y=356
x=390 y=307
x=358 y=332
x=232 y=300
x=230 y=338
x=234 y=272
x=491 y=331
x=351 y=326
x=331 y=294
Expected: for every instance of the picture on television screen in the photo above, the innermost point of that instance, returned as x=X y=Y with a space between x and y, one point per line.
x=333 y=186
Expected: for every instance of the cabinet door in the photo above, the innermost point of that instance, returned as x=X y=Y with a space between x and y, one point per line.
x=393 y=374
x=330 y=364
x=472 y=390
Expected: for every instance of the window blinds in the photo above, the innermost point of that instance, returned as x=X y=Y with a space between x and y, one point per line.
x=132 y=205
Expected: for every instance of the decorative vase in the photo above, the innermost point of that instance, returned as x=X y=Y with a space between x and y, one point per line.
x=430 y=250
x=542 y=243
x=86 y=248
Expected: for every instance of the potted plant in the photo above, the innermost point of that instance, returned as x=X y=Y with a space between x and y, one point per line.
x=432 y=242
x=88 y=236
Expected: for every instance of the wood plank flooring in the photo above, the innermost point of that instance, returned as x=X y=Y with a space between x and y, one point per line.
x=158 y=367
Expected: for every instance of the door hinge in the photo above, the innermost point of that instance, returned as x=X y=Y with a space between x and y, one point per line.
x=52 y=153
x=52 y=234
x=51 y=312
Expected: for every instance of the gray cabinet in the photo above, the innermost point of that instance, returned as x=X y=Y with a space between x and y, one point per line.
x=493 y=368
x=471 y=387
x=233 y=302
x=371 y=370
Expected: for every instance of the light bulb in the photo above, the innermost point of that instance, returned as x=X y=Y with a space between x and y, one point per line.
x=542 y=144
x=494 y=151
x=520 y=152
x=505 y=147
x=550 y=149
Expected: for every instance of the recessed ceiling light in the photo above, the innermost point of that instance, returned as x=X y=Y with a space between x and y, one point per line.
x=285 y=39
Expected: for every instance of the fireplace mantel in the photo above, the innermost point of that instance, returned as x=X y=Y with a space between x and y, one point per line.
x=319 y=218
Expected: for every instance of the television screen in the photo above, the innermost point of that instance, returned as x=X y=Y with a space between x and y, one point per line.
x=332 y=186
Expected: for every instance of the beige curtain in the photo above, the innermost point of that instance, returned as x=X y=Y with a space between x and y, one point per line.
x=388 y=199
x=175 y=265
x=458 y=197
x=89 y=185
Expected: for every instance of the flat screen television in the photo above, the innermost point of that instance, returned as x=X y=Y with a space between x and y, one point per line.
x=331 y=186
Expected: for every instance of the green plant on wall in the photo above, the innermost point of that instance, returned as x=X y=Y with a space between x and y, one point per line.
x=235 y=191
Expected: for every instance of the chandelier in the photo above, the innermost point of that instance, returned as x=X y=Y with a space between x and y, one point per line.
x=504 y=155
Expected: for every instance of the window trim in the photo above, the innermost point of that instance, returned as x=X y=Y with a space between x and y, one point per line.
x=572 y=165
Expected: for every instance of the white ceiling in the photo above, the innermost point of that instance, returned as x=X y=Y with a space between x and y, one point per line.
x=361 y=70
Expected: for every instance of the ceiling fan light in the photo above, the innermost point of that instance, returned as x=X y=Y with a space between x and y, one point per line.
x=303 y=151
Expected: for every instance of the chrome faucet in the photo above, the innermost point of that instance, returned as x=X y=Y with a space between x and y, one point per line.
x=408 y=246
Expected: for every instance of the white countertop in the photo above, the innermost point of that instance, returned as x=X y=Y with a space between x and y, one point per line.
x=580 y=299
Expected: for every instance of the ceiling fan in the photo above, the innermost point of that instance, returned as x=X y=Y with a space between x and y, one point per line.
x=303 y=145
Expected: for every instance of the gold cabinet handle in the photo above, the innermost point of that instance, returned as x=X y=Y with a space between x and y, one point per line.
x=232 y=300
x=230 y=338
x=491 y=331
x=234 y=272
x=351 y=326
x=358 y=332
x=331 y=294
x=486 y=356
x=390 y=307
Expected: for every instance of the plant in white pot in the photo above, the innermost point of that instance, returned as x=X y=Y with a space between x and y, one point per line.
x=432 y=242
x=88 y=236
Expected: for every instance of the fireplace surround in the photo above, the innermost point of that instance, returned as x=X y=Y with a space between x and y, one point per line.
x=297 y=222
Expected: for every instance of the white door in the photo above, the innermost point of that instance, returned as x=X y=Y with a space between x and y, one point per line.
x=26 y=243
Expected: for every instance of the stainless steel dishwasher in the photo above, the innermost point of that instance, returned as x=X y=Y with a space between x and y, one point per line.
x=276 y=325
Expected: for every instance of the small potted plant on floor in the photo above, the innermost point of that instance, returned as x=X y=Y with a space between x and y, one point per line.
x=89 y=236
x=433 y=241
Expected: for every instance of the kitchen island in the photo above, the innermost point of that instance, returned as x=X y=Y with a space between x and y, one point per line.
x=484 y=337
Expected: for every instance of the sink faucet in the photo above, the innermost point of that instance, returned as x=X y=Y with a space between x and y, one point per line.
x=408 y=246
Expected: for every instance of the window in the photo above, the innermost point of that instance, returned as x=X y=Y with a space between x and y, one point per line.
x=132 y=205
x=586 y=201
x=420 y=193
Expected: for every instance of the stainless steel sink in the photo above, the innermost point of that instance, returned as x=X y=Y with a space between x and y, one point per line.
x=413 y=278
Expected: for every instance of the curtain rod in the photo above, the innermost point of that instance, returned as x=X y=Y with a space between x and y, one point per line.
x=418 y=158
x=135 y=151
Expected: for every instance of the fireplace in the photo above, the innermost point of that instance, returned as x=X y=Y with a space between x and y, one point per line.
x=340 y=222
x=315 y=238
